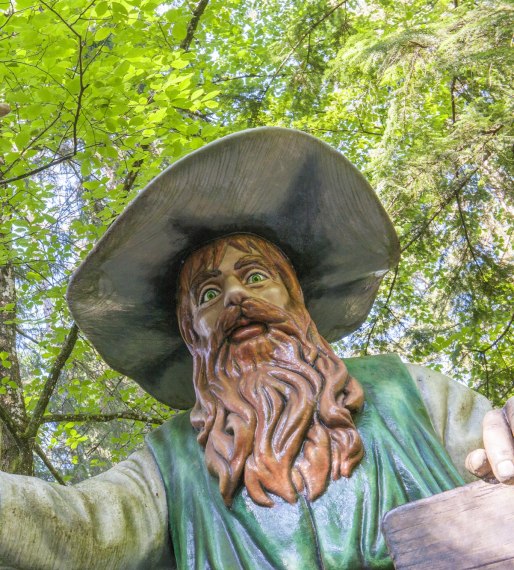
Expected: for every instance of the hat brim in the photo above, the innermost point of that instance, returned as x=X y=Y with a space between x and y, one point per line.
x=281 y=184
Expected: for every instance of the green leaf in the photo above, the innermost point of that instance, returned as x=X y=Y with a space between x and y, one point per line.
x=33 y=276
x=101 y=8
x=102 y=33
x=179 y=63
x=179 y=30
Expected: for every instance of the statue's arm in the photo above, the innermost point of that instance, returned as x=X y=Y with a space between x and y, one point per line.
x=456 y=412
x=117 y=520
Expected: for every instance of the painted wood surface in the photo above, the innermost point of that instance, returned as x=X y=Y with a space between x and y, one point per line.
x=469 y=527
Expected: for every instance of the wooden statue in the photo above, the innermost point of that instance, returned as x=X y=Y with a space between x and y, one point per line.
x=219 y=289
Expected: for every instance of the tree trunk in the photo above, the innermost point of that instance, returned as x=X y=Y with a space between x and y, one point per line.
x=15 y=452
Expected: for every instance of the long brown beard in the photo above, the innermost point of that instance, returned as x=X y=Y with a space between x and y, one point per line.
x=275 y=410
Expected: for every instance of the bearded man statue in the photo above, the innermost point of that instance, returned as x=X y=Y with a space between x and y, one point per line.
x=273 y=401
x=219 y=290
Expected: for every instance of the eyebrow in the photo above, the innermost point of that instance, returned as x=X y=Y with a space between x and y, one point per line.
x=250 y=260
x=201 y=277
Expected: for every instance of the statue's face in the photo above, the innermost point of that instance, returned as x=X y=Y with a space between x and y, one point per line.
x=239 y=276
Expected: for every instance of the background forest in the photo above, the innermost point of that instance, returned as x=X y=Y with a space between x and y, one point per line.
x=98 y=96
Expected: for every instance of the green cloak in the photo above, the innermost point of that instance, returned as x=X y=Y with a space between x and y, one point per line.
x=404 y=461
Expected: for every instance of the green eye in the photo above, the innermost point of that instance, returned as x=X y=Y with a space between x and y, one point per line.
x=255 y=278
x=208 y=295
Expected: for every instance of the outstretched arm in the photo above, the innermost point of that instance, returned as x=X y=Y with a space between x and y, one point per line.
x=117 y=520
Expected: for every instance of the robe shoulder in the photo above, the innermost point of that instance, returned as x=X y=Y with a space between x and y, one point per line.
x=456 y=412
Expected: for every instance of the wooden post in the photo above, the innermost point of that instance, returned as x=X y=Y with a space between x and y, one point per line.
x=469 y=527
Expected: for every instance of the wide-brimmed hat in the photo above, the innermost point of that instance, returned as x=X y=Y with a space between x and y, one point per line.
x=280 y=184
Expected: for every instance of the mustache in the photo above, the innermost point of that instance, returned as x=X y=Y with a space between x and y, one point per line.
x=254 y=310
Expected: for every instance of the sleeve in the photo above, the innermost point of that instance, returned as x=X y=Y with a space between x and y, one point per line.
x=117 y=520
x=456 y=412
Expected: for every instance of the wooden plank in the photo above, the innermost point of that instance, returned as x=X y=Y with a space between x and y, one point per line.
x=469 y=527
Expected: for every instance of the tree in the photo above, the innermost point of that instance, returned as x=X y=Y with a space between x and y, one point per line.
x=419 y=97
x=104 y=94
x=108 y=88
x=439 y=90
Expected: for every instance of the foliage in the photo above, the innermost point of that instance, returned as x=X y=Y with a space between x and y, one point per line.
x=104 y=94
x=444 y=167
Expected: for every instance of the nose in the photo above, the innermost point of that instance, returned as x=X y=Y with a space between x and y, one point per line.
x=235 y=292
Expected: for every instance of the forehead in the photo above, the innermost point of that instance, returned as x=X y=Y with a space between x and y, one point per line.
x=211 y=255
x=234 y=258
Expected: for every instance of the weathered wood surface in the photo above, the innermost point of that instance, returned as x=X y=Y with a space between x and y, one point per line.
x=469 y=527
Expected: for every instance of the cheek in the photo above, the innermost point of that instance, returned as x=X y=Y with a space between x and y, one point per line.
x=276 y=294
x=204 y=324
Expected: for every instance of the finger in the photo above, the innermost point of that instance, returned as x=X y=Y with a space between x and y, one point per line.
x=509 y=413
x=478 y=464
x=499 y=445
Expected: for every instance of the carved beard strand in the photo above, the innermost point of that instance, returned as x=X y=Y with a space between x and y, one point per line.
x=275 y=410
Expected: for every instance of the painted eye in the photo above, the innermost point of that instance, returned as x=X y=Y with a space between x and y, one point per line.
x=255 y=278
x=208 y=295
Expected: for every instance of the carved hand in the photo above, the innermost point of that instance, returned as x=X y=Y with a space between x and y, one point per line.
x=496 y=461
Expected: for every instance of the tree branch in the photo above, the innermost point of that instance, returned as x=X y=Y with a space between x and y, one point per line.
x=438 y=210
x=311 y=28
x=351 y=131
x=163 y=33
x=51 y=8
x=384 y=307
x=185 y=44
x=27 y=336
x=83 y=12
x=107 y=417
x=452 y=96
x=466 y=233
x=34 y=140
x=134 y=171
x=39 y=169
x=9 y=13
x=223 y=78
x=451 y=195
x=495 y=342
x=49 y=466
x=193 y=24
x=51 y=381
x=82 y=88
